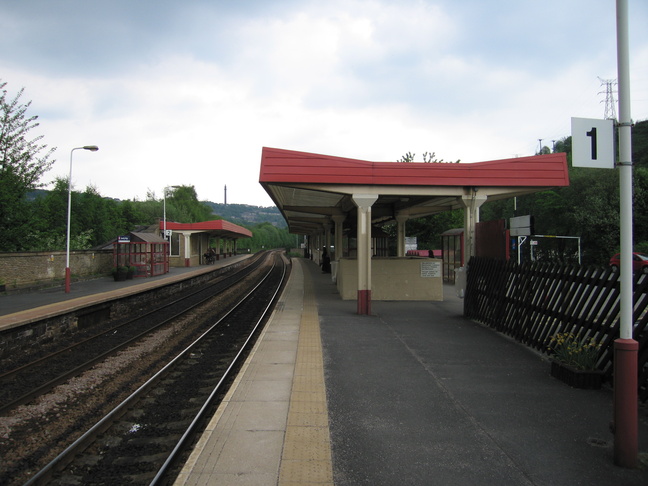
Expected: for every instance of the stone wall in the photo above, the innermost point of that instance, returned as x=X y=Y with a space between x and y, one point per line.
x=36 y=269
x=398 y=279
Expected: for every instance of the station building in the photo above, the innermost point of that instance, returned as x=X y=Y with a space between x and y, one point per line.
x=338 y=204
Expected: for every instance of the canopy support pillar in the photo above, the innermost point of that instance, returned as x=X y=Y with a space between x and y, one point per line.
x=364 y=203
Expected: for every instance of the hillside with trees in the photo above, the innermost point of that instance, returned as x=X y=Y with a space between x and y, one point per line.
x=244 y=214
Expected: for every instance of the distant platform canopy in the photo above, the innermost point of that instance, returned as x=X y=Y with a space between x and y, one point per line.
x=310 y=188
x=218 y=228
x=191 y=242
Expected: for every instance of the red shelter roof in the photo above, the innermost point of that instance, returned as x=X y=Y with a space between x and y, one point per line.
x=219 y=227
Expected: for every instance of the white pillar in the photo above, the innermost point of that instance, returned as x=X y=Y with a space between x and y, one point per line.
x=338 y=219
x=187 y=249
x=327 y=237
x=401 y=219
x=364 y=203
x=472 y=203
x=217 y=242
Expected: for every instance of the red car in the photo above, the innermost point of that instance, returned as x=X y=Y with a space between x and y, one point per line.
x=639 y=262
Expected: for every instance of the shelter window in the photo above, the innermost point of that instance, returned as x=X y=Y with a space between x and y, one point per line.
x=175 y=244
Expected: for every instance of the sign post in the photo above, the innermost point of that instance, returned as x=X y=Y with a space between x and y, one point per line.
x=593 y=146
x=626 y=349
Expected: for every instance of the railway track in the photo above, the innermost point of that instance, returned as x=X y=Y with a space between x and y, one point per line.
x=23 y=383
x=140 y=441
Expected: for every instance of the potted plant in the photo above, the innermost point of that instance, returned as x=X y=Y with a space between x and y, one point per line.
x=130 y=272
x=574 y=361
x=120 y=273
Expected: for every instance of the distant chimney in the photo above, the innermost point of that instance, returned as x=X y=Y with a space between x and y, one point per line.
x=225 y=194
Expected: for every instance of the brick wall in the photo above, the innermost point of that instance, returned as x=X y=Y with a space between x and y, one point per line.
x=32 y=269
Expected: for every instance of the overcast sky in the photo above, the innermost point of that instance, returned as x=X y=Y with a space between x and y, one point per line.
x=188 y=92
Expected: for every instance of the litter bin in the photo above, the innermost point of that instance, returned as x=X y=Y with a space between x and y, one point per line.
x=460 y=281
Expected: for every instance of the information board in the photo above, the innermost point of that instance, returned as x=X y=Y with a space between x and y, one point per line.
x=430 y=269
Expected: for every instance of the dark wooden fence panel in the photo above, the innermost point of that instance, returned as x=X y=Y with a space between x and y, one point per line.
x=534 y=301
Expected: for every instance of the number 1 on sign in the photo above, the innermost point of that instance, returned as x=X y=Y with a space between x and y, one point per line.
x=592 y=135
x=592 y=143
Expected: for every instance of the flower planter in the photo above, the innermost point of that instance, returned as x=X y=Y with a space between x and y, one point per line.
x=584 y=379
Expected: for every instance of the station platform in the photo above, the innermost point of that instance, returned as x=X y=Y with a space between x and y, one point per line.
x=414 y=394
x=25 y=306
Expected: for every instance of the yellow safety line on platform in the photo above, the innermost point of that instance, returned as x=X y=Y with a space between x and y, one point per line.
x=306 y=457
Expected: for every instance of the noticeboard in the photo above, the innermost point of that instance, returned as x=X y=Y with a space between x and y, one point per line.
x=430 y=269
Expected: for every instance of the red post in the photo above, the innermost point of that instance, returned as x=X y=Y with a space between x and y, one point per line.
x=364 y=302
x=67 y=280
x=626 y=420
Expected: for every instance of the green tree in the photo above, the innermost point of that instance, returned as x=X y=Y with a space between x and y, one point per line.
x=23 y=160
x=183 y=202
x=428 y=158
x=266 y=236
x=640 y=144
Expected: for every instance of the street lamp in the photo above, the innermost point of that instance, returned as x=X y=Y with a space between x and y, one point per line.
x=91 y=148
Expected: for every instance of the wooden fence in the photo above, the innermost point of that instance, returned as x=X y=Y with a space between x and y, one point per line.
x=534 y=301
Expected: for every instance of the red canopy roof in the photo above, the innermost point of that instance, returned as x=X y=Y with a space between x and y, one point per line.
x=288 y=166
x=225 y=228
x=309 y=189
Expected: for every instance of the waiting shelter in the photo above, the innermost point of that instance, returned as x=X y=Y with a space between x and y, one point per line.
x=146 y=253
x=324 y=196
x=190 y=241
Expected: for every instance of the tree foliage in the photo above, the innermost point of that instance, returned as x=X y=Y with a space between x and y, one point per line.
x=183 y=202
x=23 y=160
x=428 y=158
x=267 y=236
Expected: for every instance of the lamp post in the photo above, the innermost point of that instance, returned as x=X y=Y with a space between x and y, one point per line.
x=91 y=148
x=164 y=220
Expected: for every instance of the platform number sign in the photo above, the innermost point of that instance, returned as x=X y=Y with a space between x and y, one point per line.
x=592 y=143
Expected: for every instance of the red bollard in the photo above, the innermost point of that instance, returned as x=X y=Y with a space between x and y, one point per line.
x=626 y=421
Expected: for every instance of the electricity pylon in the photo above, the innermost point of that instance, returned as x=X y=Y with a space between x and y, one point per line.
x=610 y=104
